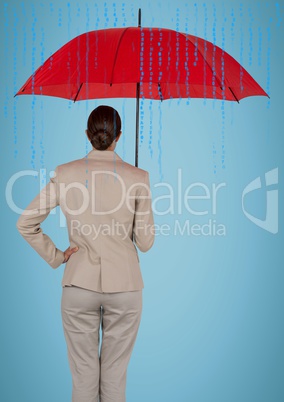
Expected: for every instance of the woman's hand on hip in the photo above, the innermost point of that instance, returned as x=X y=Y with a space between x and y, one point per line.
x=69 y=252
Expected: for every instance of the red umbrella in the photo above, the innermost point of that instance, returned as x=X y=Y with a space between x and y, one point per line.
x=153 y=63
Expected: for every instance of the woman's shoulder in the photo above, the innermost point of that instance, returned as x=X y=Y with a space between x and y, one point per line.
x=137 y=173
x=135 y=169
x=70 y=163
x=79 y=166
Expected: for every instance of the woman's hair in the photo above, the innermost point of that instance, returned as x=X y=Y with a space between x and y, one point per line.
x=104 y=125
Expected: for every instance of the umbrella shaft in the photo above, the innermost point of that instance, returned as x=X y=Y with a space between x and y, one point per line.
x=137 y=122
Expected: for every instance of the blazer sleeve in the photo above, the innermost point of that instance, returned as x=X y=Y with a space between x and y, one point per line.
x=143 y=226
x=29 y=222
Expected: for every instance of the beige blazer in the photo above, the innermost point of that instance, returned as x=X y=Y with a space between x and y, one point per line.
x=107 y=205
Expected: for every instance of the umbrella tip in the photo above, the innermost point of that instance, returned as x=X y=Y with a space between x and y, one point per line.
x=139 y=18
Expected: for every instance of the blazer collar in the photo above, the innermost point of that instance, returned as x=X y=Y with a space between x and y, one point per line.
x=102 y=155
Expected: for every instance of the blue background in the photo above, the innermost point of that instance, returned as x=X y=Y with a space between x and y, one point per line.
x=212 y=323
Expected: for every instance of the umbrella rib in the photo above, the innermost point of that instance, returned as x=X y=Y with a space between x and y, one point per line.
x=160 y=91
x=78 y=92
x=116 y=53
x=234 y=95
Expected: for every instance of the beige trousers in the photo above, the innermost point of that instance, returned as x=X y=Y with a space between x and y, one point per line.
x=99 y=375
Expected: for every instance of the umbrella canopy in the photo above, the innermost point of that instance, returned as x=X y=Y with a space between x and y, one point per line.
x=109 y=63
x=152 y=63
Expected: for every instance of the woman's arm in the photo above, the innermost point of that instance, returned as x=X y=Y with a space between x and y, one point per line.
x=29 y=222
x=143 y=227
